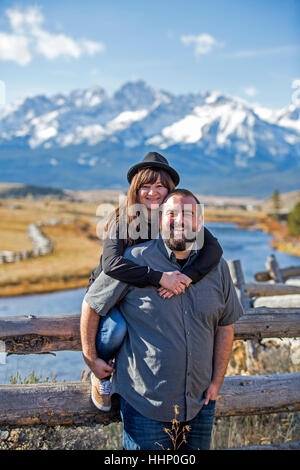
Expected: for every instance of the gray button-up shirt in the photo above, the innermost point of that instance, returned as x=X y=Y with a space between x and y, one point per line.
x=166 y=358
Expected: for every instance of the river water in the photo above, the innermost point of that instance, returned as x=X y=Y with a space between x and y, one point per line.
x=251 y=247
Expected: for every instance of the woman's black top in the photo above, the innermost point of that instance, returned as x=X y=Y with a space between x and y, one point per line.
x=115 y=265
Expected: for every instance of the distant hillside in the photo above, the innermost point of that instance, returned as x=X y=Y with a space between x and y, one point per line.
x=18 y=191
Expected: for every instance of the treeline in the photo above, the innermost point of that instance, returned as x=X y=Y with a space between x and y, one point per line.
x=30 y=190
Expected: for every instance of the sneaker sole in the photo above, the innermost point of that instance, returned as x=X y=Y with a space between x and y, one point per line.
x=102 y=408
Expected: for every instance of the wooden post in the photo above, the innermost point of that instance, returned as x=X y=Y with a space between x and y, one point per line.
x=273 y=269
x=237 y=275
x=252 y=346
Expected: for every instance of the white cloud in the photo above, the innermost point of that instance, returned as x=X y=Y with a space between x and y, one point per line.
x=267 y=51
x=15 y=48
x=204 y=43
x=29 y=38
x=251 y=91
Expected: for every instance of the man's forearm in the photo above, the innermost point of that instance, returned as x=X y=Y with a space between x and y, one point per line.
x=89 y=322
x=222 y=353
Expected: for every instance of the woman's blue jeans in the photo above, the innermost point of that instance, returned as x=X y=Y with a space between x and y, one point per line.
x=141 y=433
x=110 y=335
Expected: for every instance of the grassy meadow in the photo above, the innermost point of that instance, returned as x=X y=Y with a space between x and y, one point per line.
x=76 y=251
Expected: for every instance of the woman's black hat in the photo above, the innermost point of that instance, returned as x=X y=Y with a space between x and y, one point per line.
x=154 y=160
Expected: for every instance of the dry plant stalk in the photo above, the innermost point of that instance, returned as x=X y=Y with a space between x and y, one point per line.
x=175 y=433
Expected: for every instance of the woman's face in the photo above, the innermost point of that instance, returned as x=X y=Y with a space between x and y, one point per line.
x=152 y=195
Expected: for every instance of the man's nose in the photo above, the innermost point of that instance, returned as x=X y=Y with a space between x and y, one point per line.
x=179 y=219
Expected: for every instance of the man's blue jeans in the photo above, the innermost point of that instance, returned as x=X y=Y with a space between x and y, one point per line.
x=141 y=433
x=111 y=333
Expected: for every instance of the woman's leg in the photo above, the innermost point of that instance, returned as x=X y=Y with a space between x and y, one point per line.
x=111 y=333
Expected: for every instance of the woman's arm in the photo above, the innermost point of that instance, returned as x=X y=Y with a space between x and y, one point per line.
x=118 y=267
x=115 y=265
x=209 y=256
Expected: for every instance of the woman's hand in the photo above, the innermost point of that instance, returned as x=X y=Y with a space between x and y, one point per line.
x=101 y=369
x=173 y=282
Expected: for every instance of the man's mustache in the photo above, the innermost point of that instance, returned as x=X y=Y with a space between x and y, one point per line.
x=187 y=232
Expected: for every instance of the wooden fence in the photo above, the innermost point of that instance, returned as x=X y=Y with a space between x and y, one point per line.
x=70 y=403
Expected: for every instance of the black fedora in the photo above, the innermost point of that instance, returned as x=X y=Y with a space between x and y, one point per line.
x=153 y=160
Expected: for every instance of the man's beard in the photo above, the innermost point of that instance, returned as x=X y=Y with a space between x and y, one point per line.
x=179 y=244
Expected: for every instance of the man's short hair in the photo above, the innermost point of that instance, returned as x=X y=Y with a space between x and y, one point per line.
x=184 y=192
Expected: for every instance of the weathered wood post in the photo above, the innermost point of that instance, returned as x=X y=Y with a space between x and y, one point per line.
x=251 y=346
x=237 y=275
x=273 y=269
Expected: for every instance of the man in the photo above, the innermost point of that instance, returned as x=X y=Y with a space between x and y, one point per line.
x=176 y=350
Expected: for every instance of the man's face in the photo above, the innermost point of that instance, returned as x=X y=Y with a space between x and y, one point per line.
x=181 y=220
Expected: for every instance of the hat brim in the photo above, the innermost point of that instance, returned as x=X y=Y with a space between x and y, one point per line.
x=162 y=166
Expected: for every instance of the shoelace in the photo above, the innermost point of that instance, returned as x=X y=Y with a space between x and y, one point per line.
x=104 y=387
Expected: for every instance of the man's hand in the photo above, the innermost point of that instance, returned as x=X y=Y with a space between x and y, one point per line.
x=173 y=282
x=101 y=369
x=211 y=393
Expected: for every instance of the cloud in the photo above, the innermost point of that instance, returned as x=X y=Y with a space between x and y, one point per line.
x=204 y=43
x=267 y=51
x=15 y=48
x=29 y=38
x=251 y=91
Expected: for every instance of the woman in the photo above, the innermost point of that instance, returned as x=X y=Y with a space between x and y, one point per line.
x=150 y=181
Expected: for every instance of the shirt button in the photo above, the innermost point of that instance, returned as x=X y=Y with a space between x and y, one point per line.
x=188 y=333
x=185 y=312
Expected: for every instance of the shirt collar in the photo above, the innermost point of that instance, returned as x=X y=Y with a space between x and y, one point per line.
x=170 y=254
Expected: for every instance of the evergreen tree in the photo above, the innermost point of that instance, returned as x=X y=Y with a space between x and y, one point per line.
x=294 y=220
x=276 y=202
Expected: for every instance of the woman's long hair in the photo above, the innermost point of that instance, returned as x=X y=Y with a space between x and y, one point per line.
x=123 y=216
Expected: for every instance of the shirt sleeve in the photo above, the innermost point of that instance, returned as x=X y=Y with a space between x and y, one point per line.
x=122 y=269
x=209 y=256
x=105 y=293
x=233 y=309
x=95 y=273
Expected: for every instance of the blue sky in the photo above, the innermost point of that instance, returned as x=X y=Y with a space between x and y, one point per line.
x=244 y=48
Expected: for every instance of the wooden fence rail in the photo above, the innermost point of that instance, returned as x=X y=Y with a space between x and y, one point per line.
x=286 y=273
x=30 y=334
x=70 y=403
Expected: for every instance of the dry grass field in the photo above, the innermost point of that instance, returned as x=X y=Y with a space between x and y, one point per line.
x=76 y=252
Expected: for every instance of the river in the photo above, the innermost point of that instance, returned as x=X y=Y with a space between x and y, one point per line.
x=251 y=247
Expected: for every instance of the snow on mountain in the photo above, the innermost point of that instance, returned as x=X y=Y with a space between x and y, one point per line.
x=138 y=114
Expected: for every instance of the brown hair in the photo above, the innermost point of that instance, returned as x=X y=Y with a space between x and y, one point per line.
x=144 y=176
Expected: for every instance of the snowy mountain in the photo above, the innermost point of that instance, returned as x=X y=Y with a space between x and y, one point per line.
x=88 y=139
